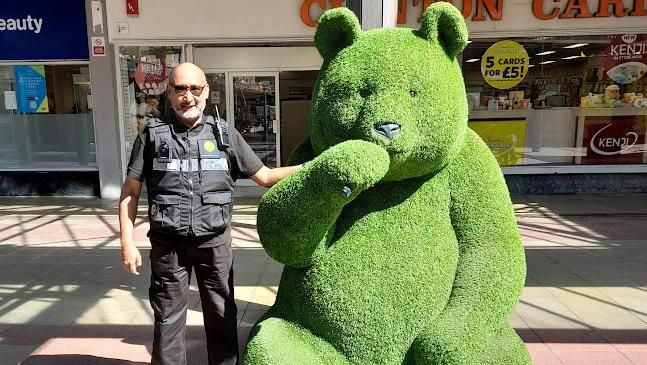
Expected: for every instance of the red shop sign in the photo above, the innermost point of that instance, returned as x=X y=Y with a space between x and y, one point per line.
x=614 y=140
x=625 y=60
x=151 y=76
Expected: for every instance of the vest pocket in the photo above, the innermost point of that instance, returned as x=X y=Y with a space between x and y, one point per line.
x=216 y=211
x=165 y=212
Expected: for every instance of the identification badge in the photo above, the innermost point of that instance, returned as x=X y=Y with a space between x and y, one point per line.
x=209 y=149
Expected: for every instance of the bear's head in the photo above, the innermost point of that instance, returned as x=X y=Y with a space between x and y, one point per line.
x=399 y=88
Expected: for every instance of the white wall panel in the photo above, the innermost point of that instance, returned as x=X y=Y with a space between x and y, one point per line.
x=258 y=58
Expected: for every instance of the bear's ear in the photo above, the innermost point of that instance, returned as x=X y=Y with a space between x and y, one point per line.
x=443 y=23
x=338 y=28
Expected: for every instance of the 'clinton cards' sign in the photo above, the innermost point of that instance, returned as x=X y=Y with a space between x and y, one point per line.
x=43 y=30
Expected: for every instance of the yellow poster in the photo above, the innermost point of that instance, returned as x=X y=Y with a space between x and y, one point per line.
x=504 y=64
x=506 y=139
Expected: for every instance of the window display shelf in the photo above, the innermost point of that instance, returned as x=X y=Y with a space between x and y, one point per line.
x=497 y=114
x=608 y=112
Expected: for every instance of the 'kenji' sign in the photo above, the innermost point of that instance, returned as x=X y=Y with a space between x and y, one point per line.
x=43 y=30
x=619 y=139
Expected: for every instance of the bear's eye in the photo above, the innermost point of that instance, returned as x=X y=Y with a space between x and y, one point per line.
x=413 y=93
x=364 y=93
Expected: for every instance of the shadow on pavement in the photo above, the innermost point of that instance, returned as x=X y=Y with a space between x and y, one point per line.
x=76 y=360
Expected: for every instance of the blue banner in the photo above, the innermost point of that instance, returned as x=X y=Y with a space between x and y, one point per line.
x=43 y=30
x=31 y=89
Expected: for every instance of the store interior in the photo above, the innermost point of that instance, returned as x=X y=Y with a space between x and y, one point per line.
x=574 y=88
x=59 y=134
x=561 y=71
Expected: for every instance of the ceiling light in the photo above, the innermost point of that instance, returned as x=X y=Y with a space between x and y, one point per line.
x=546 y=62
x=529 y=66
x=577 y=45
x=570 y=57
x=545 y=53
x=473 y=60
x=468 y=42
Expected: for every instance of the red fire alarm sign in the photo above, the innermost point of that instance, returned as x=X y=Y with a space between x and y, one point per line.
x=132 y=7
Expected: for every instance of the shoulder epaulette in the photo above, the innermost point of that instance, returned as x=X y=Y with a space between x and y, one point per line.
x=157 y=126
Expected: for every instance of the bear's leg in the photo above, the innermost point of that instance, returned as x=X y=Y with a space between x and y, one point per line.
x=275 y=341
x=501 y=347
x=505 y=348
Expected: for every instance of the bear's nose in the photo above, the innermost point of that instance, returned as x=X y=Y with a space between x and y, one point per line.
x=388 y=131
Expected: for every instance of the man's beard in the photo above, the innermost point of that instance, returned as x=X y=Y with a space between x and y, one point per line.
x=192 y=113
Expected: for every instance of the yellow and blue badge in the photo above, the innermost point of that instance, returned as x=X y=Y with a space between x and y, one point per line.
x=208 y=149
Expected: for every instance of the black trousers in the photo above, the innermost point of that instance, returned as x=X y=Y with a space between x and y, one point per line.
x=171 y=273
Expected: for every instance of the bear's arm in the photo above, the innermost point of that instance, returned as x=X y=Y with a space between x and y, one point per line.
x=491 y=268
x=296 y=217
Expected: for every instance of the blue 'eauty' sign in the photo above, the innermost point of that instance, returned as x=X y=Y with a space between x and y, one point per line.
x=43 y=30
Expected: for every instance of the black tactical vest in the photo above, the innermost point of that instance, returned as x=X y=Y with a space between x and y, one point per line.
x=190 y=183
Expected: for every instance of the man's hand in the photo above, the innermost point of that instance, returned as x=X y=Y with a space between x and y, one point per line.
x=267 y=177
x=131 y=259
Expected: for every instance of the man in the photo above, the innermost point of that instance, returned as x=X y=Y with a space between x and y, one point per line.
x=189 y=168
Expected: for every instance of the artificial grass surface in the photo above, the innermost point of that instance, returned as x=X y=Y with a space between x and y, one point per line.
x=397 y=251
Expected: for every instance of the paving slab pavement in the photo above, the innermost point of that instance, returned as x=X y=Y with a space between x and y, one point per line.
x=64 y=298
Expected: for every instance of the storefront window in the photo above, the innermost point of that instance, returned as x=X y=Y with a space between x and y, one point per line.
x=582 y=101
x=216 y=103
x=46 y=117
x=144 y=76
x=255 y=114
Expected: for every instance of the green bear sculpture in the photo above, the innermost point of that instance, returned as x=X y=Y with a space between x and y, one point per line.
x=398 y=237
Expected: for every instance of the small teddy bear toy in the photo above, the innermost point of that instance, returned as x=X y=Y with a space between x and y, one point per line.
x=639 y=101
x=612 y=96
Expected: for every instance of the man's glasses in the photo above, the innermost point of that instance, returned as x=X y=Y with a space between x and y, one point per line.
x=181 y=90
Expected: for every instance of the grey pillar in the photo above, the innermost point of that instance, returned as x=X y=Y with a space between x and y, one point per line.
x=375 y=13
x=104 y=94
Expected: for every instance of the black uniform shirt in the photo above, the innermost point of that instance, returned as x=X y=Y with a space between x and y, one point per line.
x=244 y=163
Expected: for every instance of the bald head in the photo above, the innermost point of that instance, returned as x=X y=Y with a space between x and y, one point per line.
x=187 y=71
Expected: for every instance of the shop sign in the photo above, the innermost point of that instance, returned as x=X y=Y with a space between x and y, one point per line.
x=481 y=10
x=506 y=139
x=504 y=64
x=625 y=60
x=477 y=9
x=307 y=5
x=581 y=9
x=151 y=76
x=493 y=8
x=613 y=140
x=37 y=30
x=31 y=89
